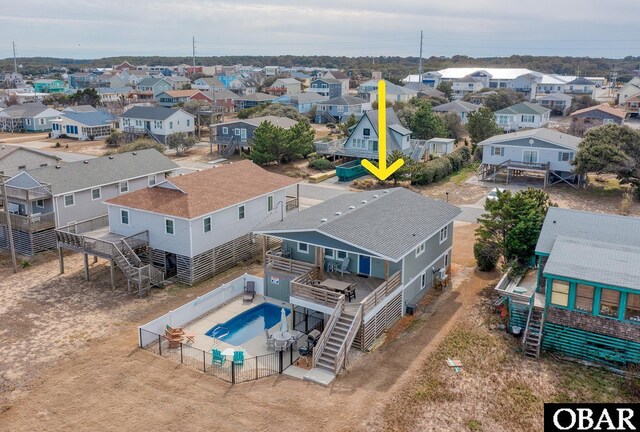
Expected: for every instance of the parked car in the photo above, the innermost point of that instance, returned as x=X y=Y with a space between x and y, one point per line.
x=493 y=195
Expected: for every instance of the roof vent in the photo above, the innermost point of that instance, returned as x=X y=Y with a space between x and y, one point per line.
x=363 y=201
x=110 y=157
x=352 y=207
x=386 y=191
x=323 y=220
x=375 y=196
x=338 y=213
x=58 y=167
x=134 y=153
x=85 y=162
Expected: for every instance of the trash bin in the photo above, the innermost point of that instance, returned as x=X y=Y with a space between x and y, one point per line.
x=411 y=308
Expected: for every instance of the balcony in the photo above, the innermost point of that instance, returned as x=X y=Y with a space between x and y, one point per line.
x=33 y=223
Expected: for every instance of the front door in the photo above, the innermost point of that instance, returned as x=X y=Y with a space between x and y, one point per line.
x=243 y=134
x=147 y=125
x=364 y=265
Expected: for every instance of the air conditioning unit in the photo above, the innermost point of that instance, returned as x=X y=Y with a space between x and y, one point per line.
x=442 y=274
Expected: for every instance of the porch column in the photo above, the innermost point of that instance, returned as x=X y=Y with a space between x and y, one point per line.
x=386 y=270
x=264 y=249
x=86 y=266
x=298 y=195
x=95 y=259
x=61 y=256
x=112 y=273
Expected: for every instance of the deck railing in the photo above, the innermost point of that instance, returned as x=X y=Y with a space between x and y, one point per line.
x=292 y=202
x=86 y=225
x=32 y=223
x=301 y=288
x=386 y=288
x=286 y=264
x=328 y=328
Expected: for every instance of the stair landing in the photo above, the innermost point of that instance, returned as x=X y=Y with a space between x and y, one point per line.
x=319 y=376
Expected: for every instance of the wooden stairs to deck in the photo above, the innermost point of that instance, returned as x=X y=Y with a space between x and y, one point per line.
x=532 y=338
x=336 y=341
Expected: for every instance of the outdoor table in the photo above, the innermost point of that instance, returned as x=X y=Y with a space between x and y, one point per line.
x=228 y=352
x=335 y=285
x=282 y=336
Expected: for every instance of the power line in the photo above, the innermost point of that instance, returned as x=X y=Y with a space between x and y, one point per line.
x=193 y=38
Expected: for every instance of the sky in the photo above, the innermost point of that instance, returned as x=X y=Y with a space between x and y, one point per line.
x=477 y=28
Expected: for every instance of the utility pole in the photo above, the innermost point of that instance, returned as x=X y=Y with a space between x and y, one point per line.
x=12 y=247
x=420 y=64
x=193 y=38
x=15 y=62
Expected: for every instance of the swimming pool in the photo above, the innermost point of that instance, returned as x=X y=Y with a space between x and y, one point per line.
x=248 y=324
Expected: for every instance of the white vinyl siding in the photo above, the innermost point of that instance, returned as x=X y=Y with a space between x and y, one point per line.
x=96 y=194
x=69 y=200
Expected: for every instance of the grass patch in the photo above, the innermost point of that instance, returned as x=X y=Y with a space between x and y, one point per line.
x=463 y=175
x=588 y=384
x=517 y=405
x=474 y=425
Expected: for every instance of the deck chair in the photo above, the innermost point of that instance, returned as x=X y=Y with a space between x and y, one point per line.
x=281 y=345
x=270 y=341
x=172 y=330
x=217 y=358
x=351 y=292
x=238 y=357
x=249 y=291
x=343 y=266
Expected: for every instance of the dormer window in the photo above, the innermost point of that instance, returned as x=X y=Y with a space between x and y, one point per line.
x=366 y=132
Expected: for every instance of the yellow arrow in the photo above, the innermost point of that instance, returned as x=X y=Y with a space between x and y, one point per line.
x=382 y=171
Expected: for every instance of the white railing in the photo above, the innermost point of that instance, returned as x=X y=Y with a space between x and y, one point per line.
x=328 y=329
x=348 y=340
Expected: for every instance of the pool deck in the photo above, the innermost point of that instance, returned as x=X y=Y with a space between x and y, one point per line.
x=253 y=347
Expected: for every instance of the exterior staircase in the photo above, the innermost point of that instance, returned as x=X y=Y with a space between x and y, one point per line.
x=230 y=148
x=532 y=338
x=142 y=274
x=329 y=356
x=153 y=136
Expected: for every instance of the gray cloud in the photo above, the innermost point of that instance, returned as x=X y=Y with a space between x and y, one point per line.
x=82 y=29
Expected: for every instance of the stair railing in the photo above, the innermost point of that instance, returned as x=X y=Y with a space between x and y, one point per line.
x=348 y=340
x=328 y=329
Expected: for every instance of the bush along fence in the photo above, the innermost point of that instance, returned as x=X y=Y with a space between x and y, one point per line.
x=437 y=169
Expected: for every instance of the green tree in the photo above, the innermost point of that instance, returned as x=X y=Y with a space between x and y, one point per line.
x=298 y=142
x=266 y=141
x=56 y=100
x=503 y=98
x=403 y=172
x=181 y=142
x=482 y=125
x=453 y=125
x=115 y=139
x=611 y=149
x=139 y=144
x=581 y=102
x=426 y=125
x=446 y=87
x=88 y=96
x=344 y=127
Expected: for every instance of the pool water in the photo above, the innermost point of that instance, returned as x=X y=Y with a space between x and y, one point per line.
x=248 y=324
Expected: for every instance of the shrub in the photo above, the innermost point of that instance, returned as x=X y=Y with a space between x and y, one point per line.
x=632 y=381
x=313 y=156
x=439 y=167
x=116 y=139
x=25 y=264
x=321 y=164
x=139 y=144
x=486 y=254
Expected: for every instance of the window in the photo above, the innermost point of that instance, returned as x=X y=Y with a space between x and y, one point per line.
x=124 y=217
x=124 y=187
x=69 y=200
x=241 y=212
x=444 y=234
x=206 y=224
x=446 y=260
x=420 y=249
x=40 y=203
x=530 y=156
x=609 y=303
x=584 y=298
x=632 y=312
x=236 y=131
x=423 y=280
x=565 y=156
x=341 y=255
x=497 y=151
x=188 y=122
x=169 y=226
x=329 y=253
x=303 y=248
x=366 y=132
x=560 y=293
x=270 y=203
x=528 y=119
x=95 y=194
x=607 y=121
x=170 y=125
x=225 y=130
x=151 y=180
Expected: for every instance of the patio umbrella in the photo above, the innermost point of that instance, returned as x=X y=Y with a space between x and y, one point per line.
x=283 y=321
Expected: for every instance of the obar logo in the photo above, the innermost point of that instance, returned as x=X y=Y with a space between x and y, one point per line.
x=591 y=417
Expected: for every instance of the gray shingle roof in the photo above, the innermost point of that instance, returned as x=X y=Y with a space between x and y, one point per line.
x=391 y=225
x=75 y=176
x=25 y=110
x=457 y=106
x=344 y=100
x=595 y=261
x=542 y=134
x=581 y=81
x=308 y=98
x=524 y=108
x=603 y=227
x=258 y=97
x=150 y=113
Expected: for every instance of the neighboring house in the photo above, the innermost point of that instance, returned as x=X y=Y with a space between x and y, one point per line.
x=340 y=76
x=225 y=99
x=118 y=81
x=82 y=80
x=150 y=88
x=304 y=78
x=125 y=65
x=113 y=95
x=558 y=103
x=586 y=297
x=303 y=102
x=84 y=125
x=253 y=99
x=285 y=86
x=239 y=133
x=208 y=84
x=14 y=159
x=480 y=98
x=522 y=116
x=599 y=115
x=178 y=82
x=394 y=93
x=465 y=85
x=27 y=117
x=49 y=86
x=41 y=199
x=630 y=89
x=327 y=87
x=194 y=221
x=339 y=109
x=79 y=109
x=158 y=122
x=271 y=70
x=227 y=77
x=543 y=152
x=580 y=86
x=392 y=262
x=174 y=97
x=425 y=91
x=461 y=108
x=632 y=106
x=244 y=86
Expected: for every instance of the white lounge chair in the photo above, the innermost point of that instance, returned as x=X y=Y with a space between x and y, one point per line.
x=343 y=266
x=270 y=340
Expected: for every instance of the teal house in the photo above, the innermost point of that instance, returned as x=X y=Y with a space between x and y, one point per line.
x=49 y=86
x=586 y=302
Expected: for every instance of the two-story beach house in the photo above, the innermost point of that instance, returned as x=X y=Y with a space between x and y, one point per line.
x=14 y=159
x=238 y=134
x=522 y=116
x=157 y=122
x=43 y=198
x=328 y=87
x=362 y=259
x=536 y=152
x=339 y=109
x=49 y=86
x=208 y=84
x=583 y=299
x=151 y=88
x=394 y=93
x=461 y=108
x=174 y=97
x=285 y=86
x=340 y=76
x=27 y=117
